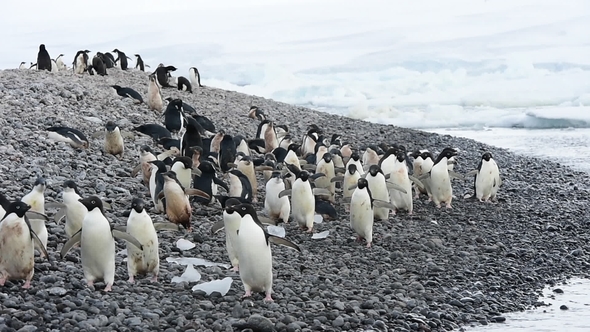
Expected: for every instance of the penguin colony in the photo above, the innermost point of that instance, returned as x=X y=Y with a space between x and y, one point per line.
x=302 y=177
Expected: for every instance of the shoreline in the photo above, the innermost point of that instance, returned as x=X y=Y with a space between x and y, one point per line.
x=475 y=263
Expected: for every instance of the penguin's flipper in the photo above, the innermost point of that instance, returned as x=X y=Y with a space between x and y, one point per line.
x=316 y=176
x=471 y=173
x=353 y=187
x=232 y=165
x=217 y=227
x=387 y=176
x=59 y=215
x=308 y=167
x=337 y=179
x=339 y=170
x=99 y=134
x=383 y=204
x=416 y=182
x=283 y=242
x=135 y=171
x=37 y=240
x=266 y=220
x=321 y=191
x=196 y=192
x=424 y=176
x=160 y=195
x=36 y=215
x=263 y=168
x=286 y=192
x=70 y=243
x=166 y=226
x=302 y=162
x=197 y=172
x=121 y=228
x=456 y=175
x=218 y=182
x=127 y=237
x=395 y=186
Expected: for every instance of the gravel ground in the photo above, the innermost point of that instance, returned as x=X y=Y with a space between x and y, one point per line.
x=436 y=270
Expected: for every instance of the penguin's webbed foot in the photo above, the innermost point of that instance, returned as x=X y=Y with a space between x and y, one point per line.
x=268 y=298
x=154 y=278
x=236 y=268
x=368 y=245
x=131 y=279
x=108 y=287
x=247 y=294
x=27 y=284
x=2 y=280
x=449 y=206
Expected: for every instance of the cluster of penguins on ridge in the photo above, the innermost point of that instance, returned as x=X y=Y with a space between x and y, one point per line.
x=374 y=181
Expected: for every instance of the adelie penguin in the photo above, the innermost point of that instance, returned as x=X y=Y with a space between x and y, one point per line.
x=256 y=113
x=378 y=187
x=254 y=252
x=184 y=84
x=72 y=209
x=145 y=156
x=80 y=64
x=183 y=167
x=154 y=98
x=72 y=136
x=162 y=75
x=97 y=244
x=43 y=59
x=128 y=93
x=195 y=77
x=121 y=59
x=207 y=182
x=487 y=179
x=98 y=64
x=440 y=178
x=36 y=200
x=113 y=141
x=278 y=208
x=17 y=245
x=177 y=205
x=139 y=63
x=231 y=224
x=361 y=211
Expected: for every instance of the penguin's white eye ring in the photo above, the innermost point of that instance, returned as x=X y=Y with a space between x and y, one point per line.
x=93 y=202
x=18 y=207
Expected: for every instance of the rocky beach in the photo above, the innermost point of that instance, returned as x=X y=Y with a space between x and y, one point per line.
x=435 y=270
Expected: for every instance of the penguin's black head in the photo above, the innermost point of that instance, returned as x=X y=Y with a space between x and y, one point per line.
x=18 y=207
x=284 y=127
x=304 y=175
x=206 y=167
x=294 y=147
x=40 y=182
x=71 y=184
x=335 y=139
x=327 y=157
x=244 y=209
x=146 y=148
x=91 y=203
x=355 y=156
x=138 y=205
x=374 y=169
x=415 y=154
x=352 y=168
x=401 y=156
x=362 y=183
x=177 y=103
x=152 y=78
x=42 y=47
x=186 y=161
x=116 y=51
x=448 y=152
x=116 y=87
x=111 y=126
x=253 y=108
x=160 y=164
x=137 y=55
x=426 y=154
x=336 y=152
x=228 y=202
x=276 y=175
x=486 y=156
x=86 y=51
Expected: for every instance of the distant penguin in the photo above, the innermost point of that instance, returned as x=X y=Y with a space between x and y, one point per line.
x=156 y=184
x=75 y=210
x=440 y=181
x=239 y=185
x=268 y=133
x=487 y=178
x=182 y=166
x=80 y=63
x=139 y=62
x=399 y=176
x=256 y=113
x=162 y=73
x=184 y=84
x=195 y=77
x=23 y=65
x=155 y=102
x=97 y=244
x=177 y=205
x=74 y=137
x=378 y=187
x=43 y=59
x=33 y=66
x=191 y=137
x=128 y=93
x=207 y=182
x=113 y=141
x=355 y=159
x=326 y=167
x=145 y=156
x=98 y=64
x=17 y=243
x=417 y=166
x=109 y=60
x=154 y=130
x=54 y=68
x=121 y=59
x=254 y=252
x=231 y=224
x=302 y=200
x=60 y=63
x=361 y=212
x=227 y=152
x=36 y=200
x=370 y=157
x=349 y=180
x=278 y=208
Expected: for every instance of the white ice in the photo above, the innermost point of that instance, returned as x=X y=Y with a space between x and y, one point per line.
x=276 y=230
x=190 y=275
x=183 y=244
x=194 y=261
x=318 y=219
x=222 y=286
x=320 y=235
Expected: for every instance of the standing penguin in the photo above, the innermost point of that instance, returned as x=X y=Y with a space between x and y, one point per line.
x=349 y=180
x=75 y=211
x=174 y=118
x=231 y=224
x=177 y=205
x=60 y=63
x=440 y=181
x=139 y=62
x=227 y=152
x=154 y=98
x=145 y=156
x=17 y=245
x=80 y=63
x=97 y=244
x=487 y=178
x=183 y=166
x=98 y=64
x=239 y=185
x=245 y=165
x=36 y=200
x=156 y=184
x=276 y=207
x=207 y=182
x=113 y=141
x=121 y=58
x=399 y=176
x=326 y=167
x=361 y=212
x=195 y=77
x=254 y=252
x=378 y=187
x=43 y=59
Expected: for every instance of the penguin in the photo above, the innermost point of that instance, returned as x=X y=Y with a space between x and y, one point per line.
x=128 y=93
x=277 y=207
x=242 y=145
x=239 y=185
x=266 y=131
x=43 y=59
x=191 y=137
x=162 y=73
x=487 y=179
x=227 y=152
x=425 y=167
x=195 y=77
x=33 y=66
x=182 y=166
x=378 y=187
x=256 y=113
x=326 y=167
x=174 y=118
x=417 y=167
x=113 y=141
x=370 y=157
x=184 y=84
x=356 y=159
x=231 y=224
x=207 y=182
x=141 y=227
x=72 y=136
x=97 y=244
x=156 y=184
x=60 y=63
x=139 y=62
x=36 y=200
x=399 y=176
x=349 y=180
x=145 y=156
x=325 y=209
x=245 y=165
x=75 y=211
x=361 y=212
x=109 y=60
x=121 y=58
x=254 y=252
x=23 y=66
x=440 y=181
x=98 y=64
x=154 y=97
x=80 y=63
x=54 y=68
x=17 y=245
x=177 y=205
x=155 y=131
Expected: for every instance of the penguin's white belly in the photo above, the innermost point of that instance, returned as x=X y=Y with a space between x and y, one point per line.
x=349 y=180
x=38 y=226
x=379 y=191
x=361 y=214
x=231 y=224
x=97 y=250
x=255 y=259
x=75 y=214
x=440 y=185
x=184 y=175
x=485 y=180
x=398 y=198
x=142 y=228
x=276 y=207
x=16 y=249
x=303 y=204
